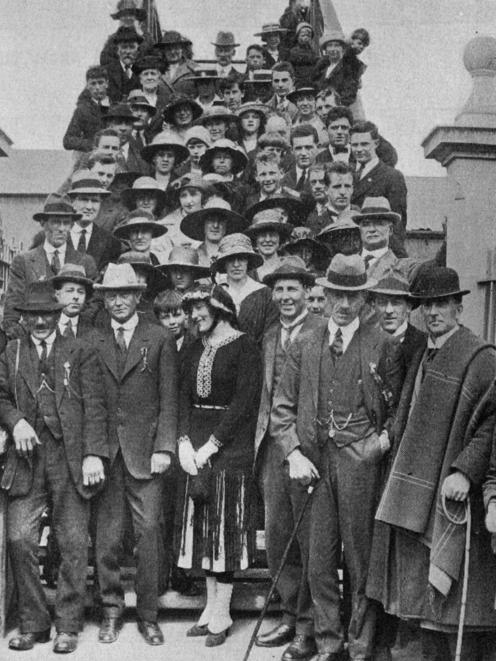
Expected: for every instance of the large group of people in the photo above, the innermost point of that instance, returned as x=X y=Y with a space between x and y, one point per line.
x=217 y=320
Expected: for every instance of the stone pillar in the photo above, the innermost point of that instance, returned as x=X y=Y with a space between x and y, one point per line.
x=467 y=150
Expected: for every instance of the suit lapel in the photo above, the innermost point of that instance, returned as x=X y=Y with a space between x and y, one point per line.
x=138 y=345
x=27 y=369
x=63 y=349
x=270 y=355
x=106 y=348
x=319 y=344
x=363 y=185
x=39 y=263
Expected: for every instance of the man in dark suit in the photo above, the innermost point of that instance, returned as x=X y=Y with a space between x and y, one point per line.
x=52 y=403
x=304 y=140
x=330 y=419
x=121 y=119
x=44 y=261
x=72 y=289
x=86 y=194
x=283 y=499
x=122 y=78
x=139 y=365
x=373 y=178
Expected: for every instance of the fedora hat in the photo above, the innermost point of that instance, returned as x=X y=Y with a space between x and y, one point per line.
x=136 y=98
x=393 y=283
x=292 y=267
x=269 y=220
x=175 y=102
x=155 y=278
x=56 y=205
x=253 y=106
x=303 y=236
x=126 y=34
x=270 y=28
x=199 y=133
x=296 y=210
x=185 y=257
x=432 y=281
x=128 y=6
x=240 y=160
x=138 y=219
x=215 y=295
x=146 y=185
x=376 y=207
x=40 y=297
x=236 y=245
x=219 y=111
x=346 y=273
x=84 y=182
x=204 y=74
x=168 y=140
x=120 y=276
x=302 y=89
x=345 y=224
x=72 y=273
x=172 y=38
x=190 y=180
x=332 y=35
x=120 y=111
x=225 y=39
x=148 y=62
x=193 y=224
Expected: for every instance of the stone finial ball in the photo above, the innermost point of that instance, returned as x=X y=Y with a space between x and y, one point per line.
x=480 y=54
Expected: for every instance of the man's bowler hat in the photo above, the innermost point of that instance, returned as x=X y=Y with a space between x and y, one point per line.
x=292 y=268
x=40 y=297
x=434 y=281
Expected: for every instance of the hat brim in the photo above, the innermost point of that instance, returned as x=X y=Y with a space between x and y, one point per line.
x=119 y=40
x=80 y=280
x=225 y=117
x=240 y=161
x=293 y=95
x=307 y=279
x=181 y=152
x=53 y=307
x=230 y=45
x=41 y=215
x=321 y=250
x=156 y=227
x=283 y=229
x=192 y=225
x=297 y=211
x=168 y=112
x=88 y=191
x=386 y=215
x=141 y=104
x=428 y=296
x=324 y=282
x=128 y=196
x=137 y=287
x=199 y=78
x=199 y=271
x=254 y=261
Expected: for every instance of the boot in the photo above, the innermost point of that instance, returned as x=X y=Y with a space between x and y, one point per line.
x=201 y=627
x=220 y=622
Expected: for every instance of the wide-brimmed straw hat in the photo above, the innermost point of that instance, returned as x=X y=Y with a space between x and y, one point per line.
x=346 y=273
x=120 y=276
x=225 y=39
x=128 y=6
x=156 y=279
x=185 y=257
x=236 y=245
x=376 y=207
x=240 y=160
x=126 y=34
x=252 y=106
x=203 y=74
x=190 y=180
x=166 y=140
x=138 y=219
x=296 y=210
x=217 y=112
x=198 y=133
x=146 y=185
x=177 y=101
x=292 y=267
x=303 y=236
x=57 y=205
x=432 y=281
x=193 y=225
x=73 y=273
x=303 y=89
x=84 y=182
x=39 y=297
x=270 y=28
x=269 y=220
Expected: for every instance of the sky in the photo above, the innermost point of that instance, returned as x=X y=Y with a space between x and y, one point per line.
x=415 y=77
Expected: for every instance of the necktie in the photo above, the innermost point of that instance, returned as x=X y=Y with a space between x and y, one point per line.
x=55 y=262
x=43 y=357
x=337 y=344
x=129 y=71
x=359 y=170
x=367 y=259
x=119 y=338
x=301 y=181
x=81 y=246
x=431 y=354
x=68 y=330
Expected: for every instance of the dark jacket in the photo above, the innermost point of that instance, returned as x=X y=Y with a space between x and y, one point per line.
x=86 y=120
x=385 y=151
x=119 y=84
x=80 y=405
x=344 y=78
x=109 y=51
x=102 y=246
x=303 y=58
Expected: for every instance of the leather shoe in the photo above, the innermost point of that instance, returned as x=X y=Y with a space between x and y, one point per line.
x=197 y=630
x=26 y=641
x=151 y=632
x=302 y=647
x=280 y=635
x=215 y=639
x=65 y=642
x=110 y=628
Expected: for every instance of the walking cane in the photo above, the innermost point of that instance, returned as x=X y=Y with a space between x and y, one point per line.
x=278 y=573
x=467 y=519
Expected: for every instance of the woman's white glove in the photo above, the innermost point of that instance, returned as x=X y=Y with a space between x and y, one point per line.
x=205 y=452
x=186 y=456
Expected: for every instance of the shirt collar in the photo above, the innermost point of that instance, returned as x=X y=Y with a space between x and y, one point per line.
x=347 y=331
x=64 y=320
x=49 y=341
x=296 y=322
x=400 y=331
x=129 y=325
x=49 y=249
x=369 y=166
x=376 y=254
x=77 y=229
x=439 y=342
